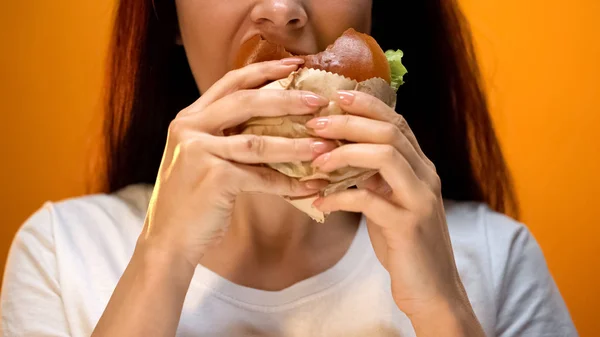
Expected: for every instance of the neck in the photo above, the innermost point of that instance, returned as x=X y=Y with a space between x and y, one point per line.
x=271 y=245
x=270 y=223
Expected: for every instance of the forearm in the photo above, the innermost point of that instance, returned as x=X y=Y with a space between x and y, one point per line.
x=149 y=297
x=447 y=320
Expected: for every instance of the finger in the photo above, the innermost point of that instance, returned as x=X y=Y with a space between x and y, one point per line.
x=365 y=105
x=254 y=149
x=378 y=185
x=365 y=130
x=392 y=166
x=255 y=179
x=373 y=206
x=242 y=105
x=249 y=77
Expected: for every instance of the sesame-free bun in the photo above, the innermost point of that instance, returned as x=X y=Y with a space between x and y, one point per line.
x=354 y=55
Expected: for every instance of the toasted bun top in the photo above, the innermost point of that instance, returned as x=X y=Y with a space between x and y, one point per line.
x=258 y=49
x=354 y=55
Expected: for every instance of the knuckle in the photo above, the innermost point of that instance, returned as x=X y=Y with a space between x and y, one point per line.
x=263 y=75
x=389 y=152
x=256 y=145
x=399 y=121
x=188 y=161
x=366 y=197
x=436 y=184
x=259 y=71
x=184 y=111
x=176 y=129
x=244 y=97
x=287 y=96
x=344 y=121
x=371 y=102
x=232 y=75
x=392 y=133
x=268 y=66
x=262 y=68
x=299 y=146
x=431 y=164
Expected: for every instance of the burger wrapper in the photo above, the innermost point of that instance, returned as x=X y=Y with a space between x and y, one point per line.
x=325 y=84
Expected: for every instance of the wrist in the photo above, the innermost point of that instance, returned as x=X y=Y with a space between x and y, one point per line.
x=168 y=247
x=447 y=317
x=149 y=296
x=157 y=260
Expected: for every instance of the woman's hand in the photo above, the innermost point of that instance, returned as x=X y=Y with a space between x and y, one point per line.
x=403 y=206
x=202 y=171
x=199 y=178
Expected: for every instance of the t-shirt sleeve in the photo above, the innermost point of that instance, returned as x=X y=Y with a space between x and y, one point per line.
x=528 y=300
x=30 y=302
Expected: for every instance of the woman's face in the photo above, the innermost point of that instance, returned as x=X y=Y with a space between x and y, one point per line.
x=212 y=31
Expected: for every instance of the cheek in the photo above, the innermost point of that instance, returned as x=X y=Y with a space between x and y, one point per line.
x=206 y=28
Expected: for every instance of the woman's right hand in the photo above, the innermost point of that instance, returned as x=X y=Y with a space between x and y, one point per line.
x=202 y=171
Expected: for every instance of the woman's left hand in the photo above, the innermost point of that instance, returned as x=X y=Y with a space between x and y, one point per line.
x=402 y=203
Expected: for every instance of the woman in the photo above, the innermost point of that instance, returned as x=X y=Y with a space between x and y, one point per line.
x=192 y=239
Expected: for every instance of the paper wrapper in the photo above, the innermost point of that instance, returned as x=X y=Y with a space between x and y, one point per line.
x=325 y=84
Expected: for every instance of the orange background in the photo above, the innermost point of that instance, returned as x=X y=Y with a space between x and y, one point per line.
x=541 y=60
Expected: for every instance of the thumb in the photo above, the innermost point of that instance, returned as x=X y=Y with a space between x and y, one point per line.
x=259 y=179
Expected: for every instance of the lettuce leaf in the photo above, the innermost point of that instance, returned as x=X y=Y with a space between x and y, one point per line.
x=398 y=70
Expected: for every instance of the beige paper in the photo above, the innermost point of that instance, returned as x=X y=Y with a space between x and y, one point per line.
x=325 y=84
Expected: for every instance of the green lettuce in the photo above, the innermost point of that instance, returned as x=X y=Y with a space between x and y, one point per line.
x=398 y=70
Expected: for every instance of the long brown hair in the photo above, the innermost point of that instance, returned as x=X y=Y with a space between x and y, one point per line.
x=443 y=101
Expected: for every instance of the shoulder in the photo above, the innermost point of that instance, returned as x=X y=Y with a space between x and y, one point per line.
x=125 y=204
x=82 y=225
x=489 y=239
x=85 y=213
x=499 y=255
x=476 y=217
x=475 y=224
x=64 y=251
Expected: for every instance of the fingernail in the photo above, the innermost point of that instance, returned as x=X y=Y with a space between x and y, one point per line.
x=319 y=147
x=318 y=123
x=345 y=97
x=291 y=61
x=313 y=100
x=321 y=160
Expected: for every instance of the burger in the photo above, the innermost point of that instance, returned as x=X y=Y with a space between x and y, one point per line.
x=355 y=61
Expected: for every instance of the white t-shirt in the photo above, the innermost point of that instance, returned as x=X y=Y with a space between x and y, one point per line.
x=67 y=258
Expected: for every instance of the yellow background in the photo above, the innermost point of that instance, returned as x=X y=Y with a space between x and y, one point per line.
x=541 y=64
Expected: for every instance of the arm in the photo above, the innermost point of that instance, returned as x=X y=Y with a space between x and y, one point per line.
x=146 y=302
x=200 y=176
x=447 y=319
x=404 y=210
x=148 y=299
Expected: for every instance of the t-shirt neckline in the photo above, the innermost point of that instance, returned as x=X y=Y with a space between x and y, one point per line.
x=304 y=290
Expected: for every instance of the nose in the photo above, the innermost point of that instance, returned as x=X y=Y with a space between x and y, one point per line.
x=278 y=14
